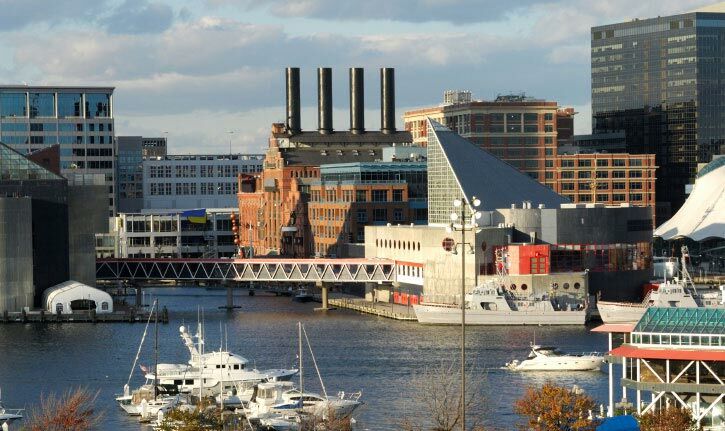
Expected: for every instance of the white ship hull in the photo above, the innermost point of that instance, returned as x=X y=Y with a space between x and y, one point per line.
x=442 y=315
x=612 y=312
x=561 y=364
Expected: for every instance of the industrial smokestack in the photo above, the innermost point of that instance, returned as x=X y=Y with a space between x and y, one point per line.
x=324 y=100
x=292 y=121
x=357 y=101
x=387 y=100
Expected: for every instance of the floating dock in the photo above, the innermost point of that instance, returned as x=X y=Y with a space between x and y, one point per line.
x=382 y=309
x=39 y=316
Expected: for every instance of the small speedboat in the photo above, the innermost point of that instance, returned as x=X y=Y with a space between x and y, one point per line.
x=544 y=358
x=302 y=295
x=281 y=422
x=9 y=415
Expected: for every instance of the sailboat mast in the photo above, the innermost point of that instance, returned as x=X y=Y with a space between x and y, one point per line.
x=299 y=333
x=156 y=351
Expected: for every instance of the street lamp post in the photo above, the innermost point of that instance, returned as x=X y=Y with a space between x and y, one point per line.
x=462 y=204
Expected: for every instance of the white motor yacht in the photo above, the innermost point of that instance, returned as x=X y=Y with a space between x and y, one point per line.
x=213 y=373
x=341 y=406
x=551 y=359
x=9 y=415
x=281 y=422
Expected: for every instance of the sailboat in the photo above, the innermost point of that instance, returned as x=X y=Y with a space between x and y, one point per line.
x=145 y=401
x=280 y=406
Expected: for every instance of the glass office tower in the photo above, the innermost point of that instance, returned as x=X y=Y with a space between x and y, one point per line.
x=79 y=119
x=662 y=81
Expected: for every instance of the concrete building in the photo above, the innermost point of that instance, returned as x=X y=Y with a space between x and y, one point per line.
x=195 y=181
x=547 y=243
x=79 y=119
x=671 y=357
x=277 y=209
x=350 y=196
x=171 y=234
x=672 y=104
x=47 y=229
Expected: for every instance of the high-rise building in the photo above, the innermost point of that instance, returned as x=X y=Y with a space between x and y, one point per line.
x=129 y=174
x=660 y=80
x=79 y=119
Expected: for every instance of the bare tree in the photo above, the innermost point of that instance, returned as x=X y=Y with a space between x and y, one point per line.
x=72 y=411
x=671 y=418
x=436 y=396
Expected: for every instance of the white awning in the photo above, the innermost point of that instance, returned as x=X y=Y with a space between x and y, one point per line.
x=703 y=214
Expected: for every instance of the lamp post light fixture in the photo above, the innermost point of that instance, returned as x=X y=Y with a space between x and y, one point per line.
x=462 y=203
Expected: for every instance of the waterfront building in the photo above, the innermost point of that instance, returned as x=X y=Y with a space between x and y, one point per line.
x=195 y=181
x=276 y=210
x=658 y=81
x=671 y=357
x=176 y=234
x=79 y=119
x=547 y=243
x=47 y=226
x=350 y=196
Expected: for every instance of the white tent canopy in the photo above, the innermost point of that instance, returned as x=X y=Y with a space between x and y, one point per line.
x=703 y=214
x=75 y=296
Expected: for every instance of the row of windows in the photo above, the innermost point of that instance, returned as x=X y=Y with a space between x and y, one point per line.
x=360 y=196
x=55 y=127
x=603 y=174
x=397 y=244
x=185 y=189
x=204 y=171
x=90 y=105
x=584 y=163
x=615 y=197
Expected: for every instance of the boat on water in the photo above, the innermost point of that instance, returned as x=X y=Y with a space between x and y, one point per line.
x=8 y=416
x=679 y=292
x=302 y=295
x=214 y=373
x=489 y=304
x=543 y=358
x=282 y=404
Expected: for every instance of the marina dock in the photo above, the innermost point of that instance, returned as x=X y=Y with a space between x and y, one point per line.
x=40 y=316
x=382 y=309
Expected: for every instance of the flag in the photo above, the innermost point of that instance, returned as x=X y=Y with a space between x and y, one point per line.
x=195 y=216
x=144 y=369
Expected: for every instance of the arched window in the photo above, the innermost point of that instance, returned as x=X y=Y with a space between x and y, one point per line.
x=59 y=308
x=524 y=286
x=104 y=306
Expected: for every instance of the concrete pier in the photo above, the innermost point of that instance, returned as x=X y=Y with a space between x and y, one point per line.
x=324 y=296
x=382 y=309
x=230 y=300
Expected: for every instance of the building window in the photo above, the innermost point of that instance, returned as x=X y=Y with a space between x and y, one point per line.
x=104 y=306
x=397 y=196
x=584 y=163
x=380 y=195
x=548 y=116
x=602 y=174
x=567 y=174
x=361 y=196
x=602 y=163
x=362 y=215
x=548 y=128
x=618 y=197
x=398 y=214
x=567 y=163
x=584 y=174
x=619 y=174
x=380 y=214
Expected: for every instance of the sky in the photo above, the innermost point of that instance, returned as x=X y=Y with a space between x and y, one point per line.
x=210 y=73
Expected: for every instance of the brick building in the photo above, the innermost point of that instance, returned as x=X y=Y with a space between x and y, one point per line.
x=275 y=212
x=350 y=196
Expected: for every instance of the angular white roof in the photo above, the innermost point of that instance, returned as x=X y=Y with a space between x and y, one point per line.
x=703 y=214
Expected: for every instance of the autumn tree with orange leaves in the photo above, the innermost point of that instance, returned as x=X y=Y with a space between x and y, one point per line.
x=668 y=419
x=556 y=408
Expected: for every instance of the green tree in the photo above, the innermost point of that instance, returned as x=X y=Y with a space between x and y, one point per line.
x=668 y=419
x=556 y=408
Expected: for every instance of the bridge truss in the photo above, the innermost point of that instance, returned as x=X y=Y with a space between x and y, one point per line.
x=281 y=270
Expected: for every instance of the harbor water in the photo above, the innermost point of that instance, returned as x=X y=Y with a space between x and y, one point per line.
x=354 y=352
